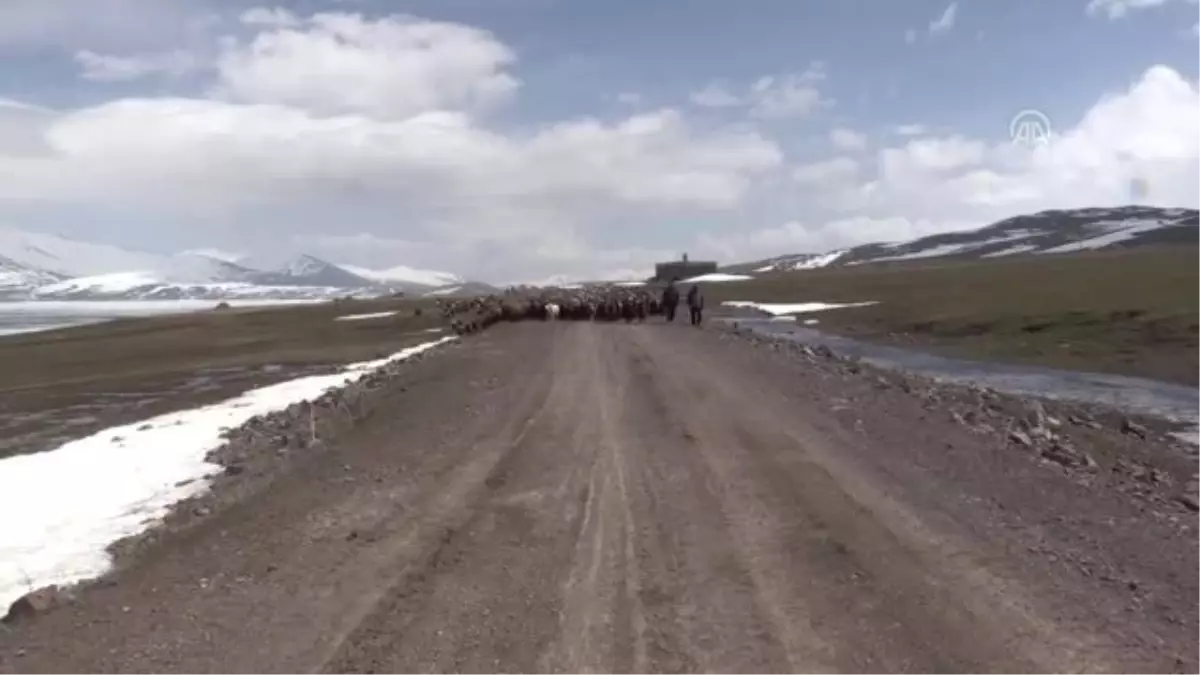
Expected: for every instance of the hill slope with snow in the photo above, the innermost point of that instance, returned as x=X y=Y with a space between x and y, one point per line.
x=35 y=266
x=402 y=274
x=1044 y=233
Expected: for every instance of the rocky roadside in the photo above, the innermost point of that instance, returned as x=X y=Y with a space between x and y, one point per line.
x=1097 y=445
x=252 y=457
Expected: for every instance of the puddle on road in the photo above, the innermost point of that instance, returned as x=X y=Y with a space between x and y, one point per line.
x=1174 y=402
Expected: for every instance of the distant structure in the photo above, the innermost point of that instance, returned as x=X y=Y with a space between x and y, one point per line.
x=683 y=268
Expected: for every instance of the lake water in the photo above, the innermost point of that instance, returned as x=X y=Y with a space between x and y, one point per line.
x=1166 y=400
x=27 y=317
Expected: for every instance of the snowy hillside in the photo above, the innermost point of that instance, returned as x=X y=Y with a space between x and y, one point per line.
x=307 y=270
x=1045 y=233
x=35 y=266
x=406 y=275
x=18 y=278
x=148 y=286
x=67 y=257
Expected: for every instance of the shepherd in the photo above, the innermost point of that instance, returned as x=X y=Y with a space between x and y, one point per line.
x=670 y=300
x=695 y=302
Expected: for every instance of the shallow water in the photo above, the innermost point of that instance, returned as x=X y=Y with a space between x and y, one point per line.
x=32 y=316
x=1166 y=400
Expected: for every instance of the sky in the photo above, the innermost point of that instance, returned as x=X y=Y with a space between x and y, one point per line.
x=518 y=140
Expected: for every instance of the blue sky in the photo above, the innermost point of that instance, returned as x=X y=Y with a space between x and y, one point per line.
x=601 y=144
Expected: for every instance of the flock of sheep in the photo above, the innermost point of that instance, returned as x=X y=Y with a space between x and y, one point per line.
x=593 y=303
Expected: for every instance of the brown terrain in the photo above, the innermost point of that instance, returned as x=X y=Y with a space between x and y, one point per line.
x=609 y=497
x=59 y=385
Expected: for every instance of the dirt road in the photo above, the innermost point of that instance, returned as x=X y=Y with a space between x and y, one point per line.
x=582 y=497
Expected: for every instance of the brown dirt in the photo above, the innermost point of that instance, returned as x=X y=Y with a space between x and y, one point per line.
x=585 y=497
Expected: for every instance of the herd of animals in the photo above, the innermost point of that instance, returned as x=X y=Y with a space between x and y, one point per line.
x=589 y=303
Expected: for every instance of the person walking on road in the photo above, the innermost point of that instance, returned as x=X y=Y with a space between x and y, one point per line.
x=670 y=300
x=695 y=302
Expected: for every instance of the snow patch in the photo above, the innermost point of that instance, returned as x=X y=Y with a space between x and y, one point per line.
x=123 y=308
x=629 y=284
x=445 y=291
x=1015 y=250
x=818 y=261
x=1114 y=232
x=961 y=247
x=365 y=317
x=717 y=277
x=76 y=500
x=404 y=274
x=778 y=309
x=115 y=282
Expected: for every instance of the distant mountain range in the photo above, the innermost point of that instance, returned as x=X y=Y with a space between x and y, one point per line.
x=1044 y=233
x=37 y=266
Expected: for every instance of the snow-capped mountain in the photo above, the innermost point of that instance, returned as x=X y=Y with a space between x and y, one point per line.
x=799 y=261
x=67 y=257
x=402 y=274
x=307 y=270
x=1044 y=233
x=36 y=266
x=17 y=278
x=148 y=286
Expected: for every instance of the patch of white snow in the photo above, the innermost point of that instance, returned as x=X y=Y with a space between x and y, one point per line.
x=717 y=277
x=365 y=317
x=1015 y=250
x=778 y=309
x=818 y=261
x=64 y=507
x=1115 y=231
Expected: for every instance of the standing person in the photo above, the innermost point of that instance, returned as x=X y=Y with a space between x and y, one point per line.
x=695 y=301
x=670 y=300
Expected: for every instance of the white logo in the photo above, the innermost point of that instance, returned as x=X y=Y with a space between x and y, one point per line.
x=1030 y=128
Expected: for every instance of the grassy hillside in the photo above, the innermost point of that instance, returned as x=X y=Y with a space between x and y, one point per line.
x=1121 y=311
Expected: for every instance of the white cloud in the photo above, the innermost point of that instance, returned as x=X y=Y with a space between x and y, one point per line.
x=343 y=63
x=1116 y=9
x=217 y=254
x=112 y=68
x=1146 y=135
x=826 y=171
x=848 y=139
x=931 y=155
x=365 y=141
x=910 y=36
x=293 y=146
x=275 y=17
x=771 y=97
x=944 y=22
x=629 y=98
x=715 y=95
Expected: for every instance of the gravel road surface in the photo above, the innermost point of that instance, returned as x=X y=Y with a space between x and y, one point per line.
x=588 y=497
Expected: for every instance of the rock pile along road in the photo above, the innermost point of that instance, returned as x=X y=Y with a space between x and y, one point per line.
x=607 y=497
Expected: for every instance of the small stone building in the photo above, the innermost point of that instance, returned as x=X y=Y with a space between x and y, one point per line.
x=683 y=269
